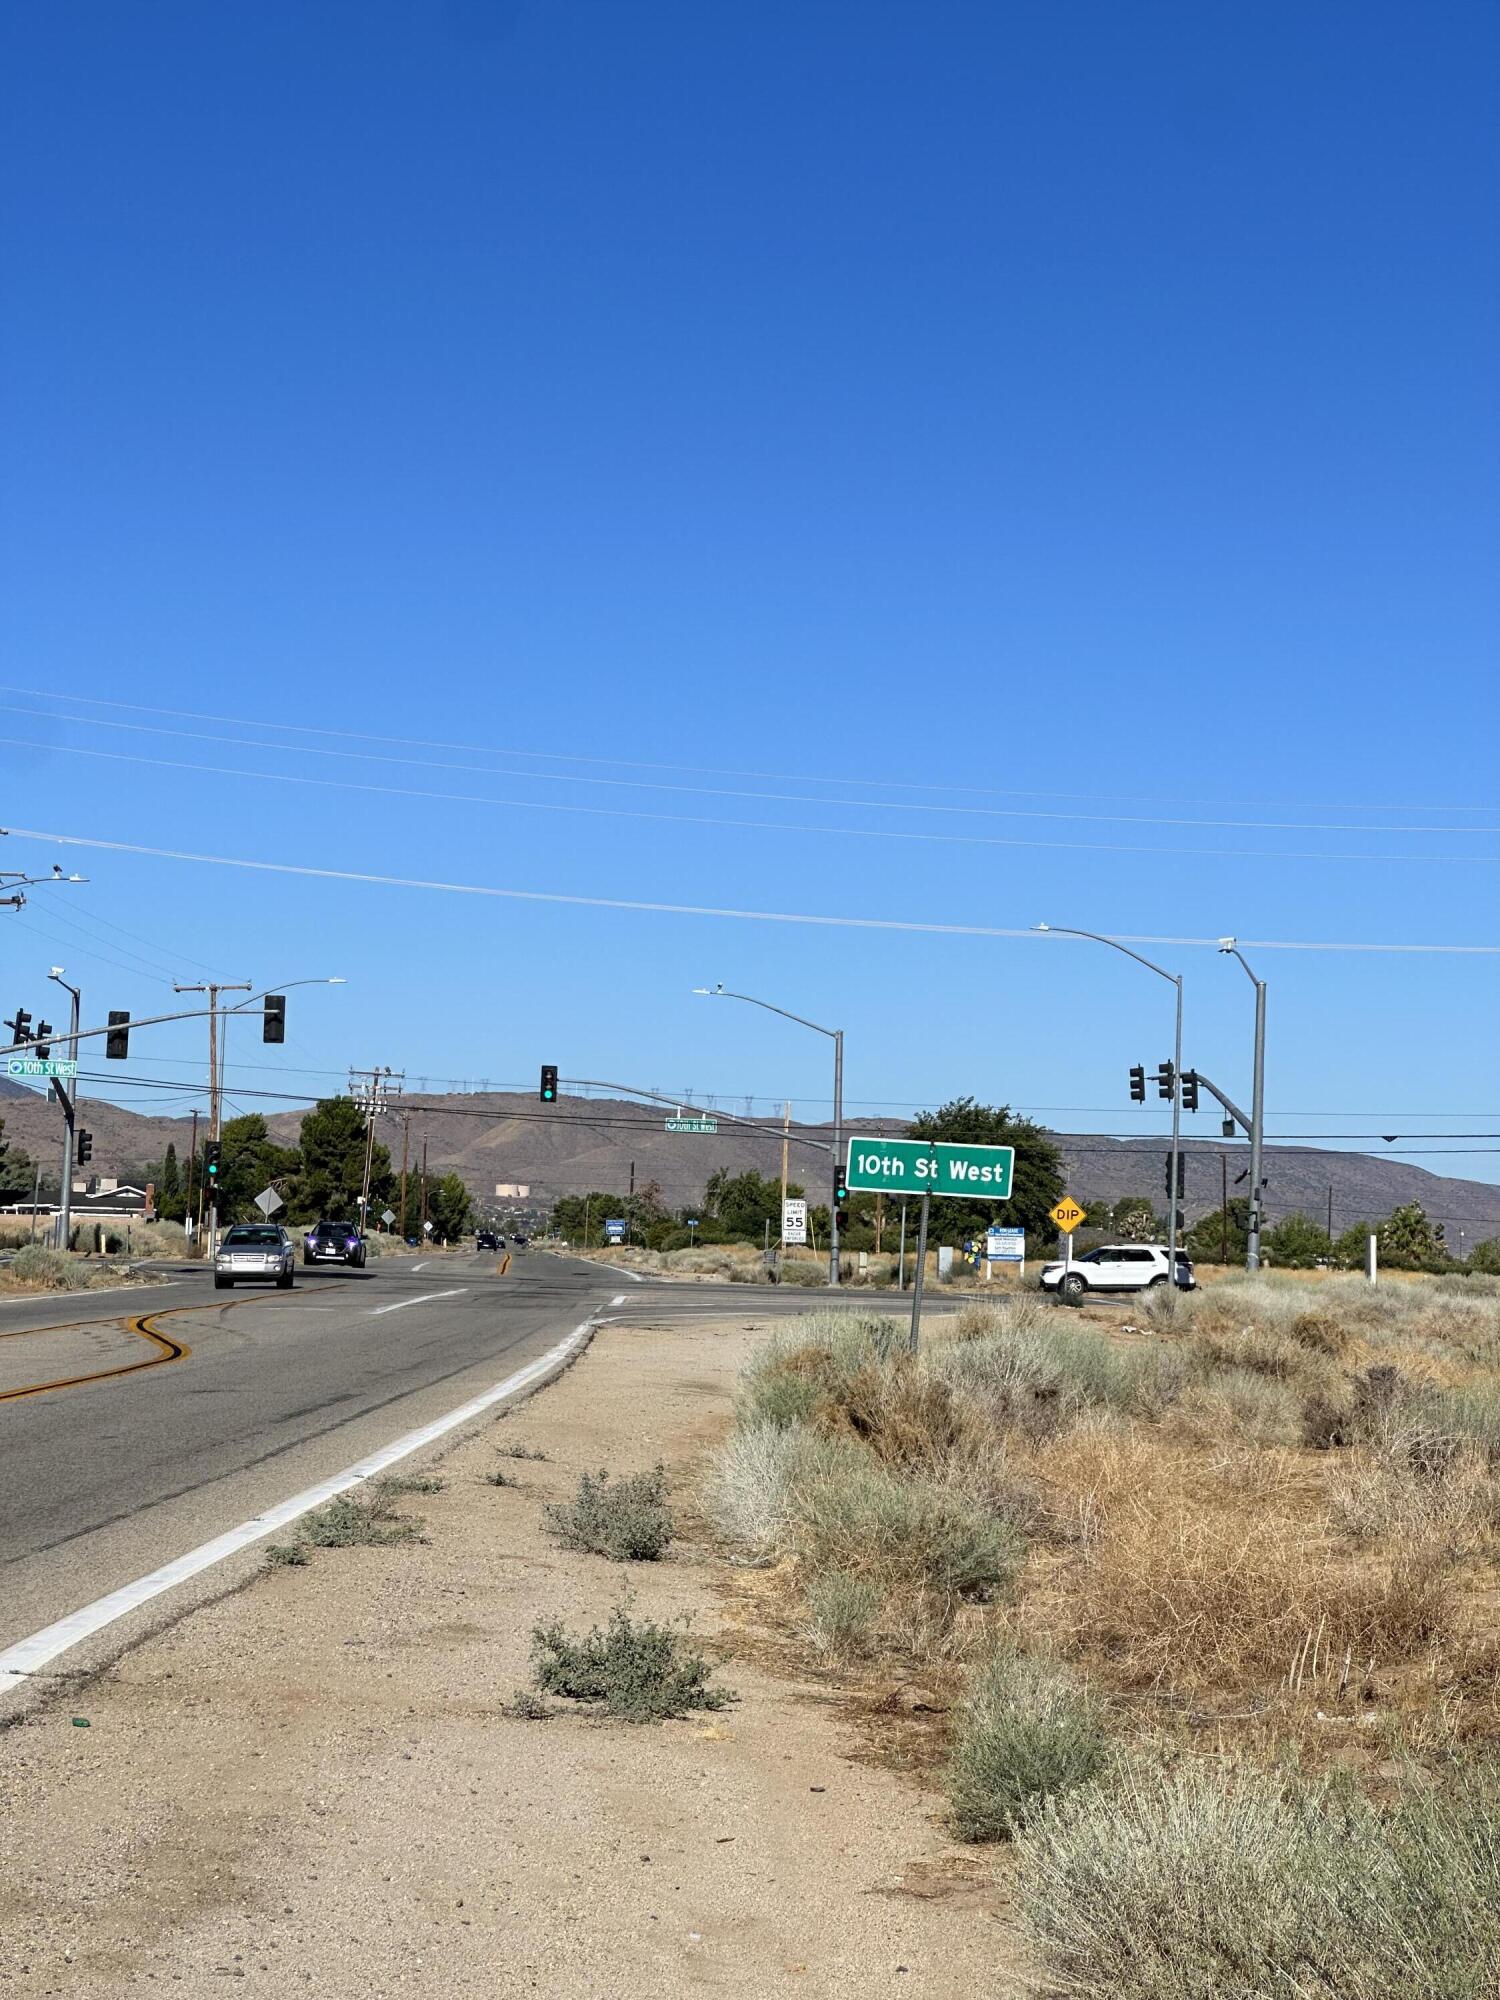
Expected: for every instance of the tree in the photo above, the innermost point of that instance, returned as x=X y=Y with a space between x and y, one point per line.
x=1407 y=1239
x=1298 y=1241
x=1485 y=1257
x=249 y=1162
x=17 y=1170
x=1134 y=1220
x=1349 y=1249
x=171 y=1203
x=1205 y=1240
x=332 y=1166
x=743 y=1204
x=1037 y=1183
x=449 y=1208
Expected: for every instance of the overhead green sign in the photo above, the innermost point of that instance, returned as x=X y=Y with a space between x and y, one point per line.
x=40 y=1066
x=691 y=1124
x=920 y=1166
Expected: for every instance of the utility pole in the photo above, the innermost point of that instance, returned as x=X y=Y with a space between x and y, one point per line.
x=424 y=1190
x=405 y=1143
x=1330 y=1214
x=369 y=1086
x=786 y=1145
x=187 y=1206
x=213 y=988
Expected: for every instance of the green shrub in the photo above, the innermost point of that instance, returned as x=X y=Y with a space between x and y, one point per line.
x=753 y=1476
x=911 y=1536
x=347 y=1523
x=1192 y=1883
x=626 y=1520
x=1025 y=1734
x=842 y=1611
x=634 y=1669
x=285 y=1555
x=54 y=1270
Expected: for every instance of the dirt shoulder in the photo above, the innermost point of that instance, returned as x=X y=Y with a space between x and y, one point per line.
x=312 y=1785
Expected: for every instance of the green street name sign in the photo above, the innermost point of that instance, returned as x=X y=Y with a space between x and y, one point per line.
x=691 y=1124
x=916 y=1166
x=40 y=1066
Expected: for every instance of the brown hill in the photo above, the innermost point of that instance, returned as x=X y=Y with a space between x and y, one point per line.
x=495 y=1138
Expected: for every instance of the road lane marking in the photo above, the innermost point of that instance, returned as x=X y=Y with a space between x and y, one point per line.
x=29 y=1656
x=167 y=1350
x=420 y=1300
x=417 y=1267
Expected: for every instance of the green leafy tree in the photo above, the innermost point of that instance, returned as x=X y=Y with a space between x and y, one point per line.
x=1349 y=1248
x=171 y=1203
x=250 y=1161
x=333 y=1163
x=1037 y=1183
x=1204 y=1242
x=449 y=1208
x=743 y=1204
x=1298 y=1241
x=1409 y=1241
x=1485 y=1257
x=17 y=1170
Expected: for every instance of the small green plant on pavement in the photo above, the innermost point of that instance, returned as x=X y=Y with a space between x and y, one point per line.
x=634 y=1669
x=626 y=1520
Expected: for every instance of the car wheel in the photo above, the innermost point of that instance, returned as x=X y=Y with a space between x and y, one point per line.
x=223 y=1284
x=305 y=1258
x=284 y=1282
x=1159 y=1279
x=1073 y=1289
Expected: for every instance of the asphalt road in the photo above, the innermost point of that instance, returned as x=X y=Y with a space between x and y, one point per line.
x=102 y=1481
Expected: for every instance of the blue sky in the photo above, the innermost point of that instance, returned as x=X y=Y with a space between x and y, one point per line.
x=1063 y=432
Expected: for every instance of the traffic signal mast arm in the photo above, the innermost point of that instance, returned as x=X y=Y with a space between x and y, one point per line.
x=1206 y=1083
x=142 y=1021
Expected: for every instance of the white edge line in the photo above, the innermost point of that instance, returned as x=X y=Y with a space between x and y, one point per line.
x=24 y=1658
x=422 y=1299
x=418 y=1267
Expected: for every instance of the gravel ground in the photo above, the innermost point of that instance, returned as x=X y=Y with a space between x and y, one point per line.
x=310 y=1785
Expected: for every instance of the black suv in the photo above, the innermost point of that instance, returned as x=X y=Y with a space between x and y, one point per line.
x=334 y=1243
x=487 y=1240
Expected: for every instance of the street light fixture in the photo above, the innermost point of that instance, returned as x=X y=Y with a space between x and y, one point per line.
x=1173 y=979
x=836 y=1036
x=1231 y=949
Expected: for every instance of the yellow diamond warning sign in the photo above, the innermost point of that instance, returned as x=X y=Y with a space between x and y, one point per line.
x=1067 y=1215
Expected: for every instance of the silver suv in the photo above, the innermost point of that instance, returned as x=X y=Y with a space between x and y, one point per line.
x=1116 y=1267
x=259 y=1250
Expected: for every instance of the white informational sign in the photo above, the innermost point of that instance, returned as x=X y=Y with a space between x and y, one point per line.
x=268 y=1201
x=945 y=1261
x=793 y=1221
x=1006 y=1246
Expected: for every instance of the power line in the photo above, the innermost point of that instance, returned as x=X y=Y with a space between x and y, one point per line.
x=743 y=825
x=706 y=791
x=629 y=763
x=641 y=906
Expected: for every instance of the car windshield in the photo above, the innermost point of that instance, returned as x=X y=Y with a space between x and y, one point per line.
x=253 y=1235
x=334 y=1229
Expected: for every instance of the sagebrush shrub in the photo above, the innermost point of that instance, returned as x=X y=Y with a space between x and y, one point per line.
x=626 y=1520
x=635 y=1669
x=1025 y=1734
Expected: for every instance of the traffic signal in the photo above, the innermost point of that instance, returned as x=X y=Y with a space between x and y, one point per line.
x=43 y=1047
x=273 y=1027
x=1181 y=1176
x=117 y=1041
x=549 y=1083
x=840 y=1191
x=1190 y=1090
x=20 y=1027
x=1138 y=1084
x=213 y=1154
x=85 y=1149
x=1166 y=1081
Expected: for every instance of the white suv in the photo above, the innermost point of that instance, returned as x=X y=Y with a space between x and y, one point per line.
x=1116 y=1267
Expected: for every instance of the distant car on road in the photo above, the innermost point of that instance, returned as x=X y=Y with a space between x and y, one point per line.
x=255 y=1250
x=334 y=1243
x=519 y=1241
x=1117 y=1267
x=487 y=1240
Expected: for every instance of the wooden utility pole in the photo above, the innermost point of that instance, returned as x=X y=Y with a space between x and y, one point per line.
x=424 y=1190
x=405 y=1138
x=786 y=1143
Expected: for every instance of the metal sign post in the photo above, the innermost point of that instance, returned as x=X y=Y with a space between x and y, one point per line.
x=916 y=1291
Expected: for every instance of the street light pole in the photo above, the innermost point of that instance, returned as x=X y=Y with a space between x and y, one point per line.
x=1257 y=1106
x=836 y=1036
x=1174 y=979
x=70 y=1119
